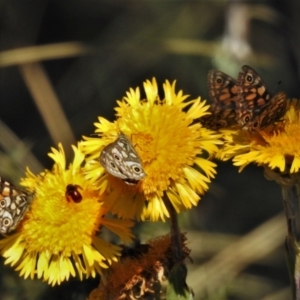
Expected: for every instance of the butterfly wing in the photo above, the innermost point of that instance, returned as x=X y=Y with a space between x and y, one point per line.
x=121 y=160
x=252 y=95
x=223 y=94
x=222 y=88
x=270 y=113
x=13 y=206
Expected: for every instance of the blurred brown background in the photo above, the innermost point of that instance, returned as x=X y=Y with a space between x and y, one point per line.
x=94 y=51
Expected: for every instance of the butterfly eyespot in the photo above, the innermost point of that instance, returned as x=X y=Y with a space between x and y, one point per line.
x=117 y=157
x=219 y=80
x=3 y=203
x=137 y=169
x=6 y=222
x=112 y=165
x=246 y=119
x=249 y=78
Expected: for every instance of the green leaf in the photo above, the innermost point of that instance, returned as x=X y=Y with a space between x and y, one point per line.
x=177 y=288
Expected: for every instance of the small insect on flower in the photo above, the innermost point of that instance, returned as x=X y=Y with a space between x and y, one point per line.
x=72 y=193
x=121 y=160
x=13 y=206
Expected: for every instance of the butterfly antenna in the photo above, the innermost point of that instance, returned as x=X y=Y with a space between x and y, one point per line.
x=277 y=87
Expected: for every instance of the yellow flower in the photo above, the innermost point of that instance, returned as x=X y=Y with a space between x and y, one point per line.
x=58 y=236
x=275 y=147
x=168 y=140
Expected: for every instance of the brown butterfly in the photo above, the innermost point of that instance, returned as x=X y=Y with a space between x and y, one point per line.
x=223 y=93
x=256 y=108
x=14 y=204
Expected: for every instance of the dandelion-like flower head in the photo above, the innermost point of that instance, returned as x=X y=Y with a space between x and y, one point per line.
x=58 y=236
x=275 y=147
x=170 y=144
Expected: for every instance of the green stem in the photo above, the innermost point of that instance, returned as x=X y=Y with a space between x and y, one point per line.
x=291 y=203
x=290 y=185
x=175 y=231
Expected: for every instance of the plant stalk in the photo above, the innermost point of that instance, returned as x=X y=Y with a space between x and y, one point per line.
x=175 y=231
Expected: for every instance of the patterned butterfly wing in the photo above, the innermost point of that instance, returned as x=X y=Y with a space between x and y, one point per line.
x=223 y=93
x=271 y=113
x=13 y=206
x=121 y=160
x=256 y=108
x=252 y=95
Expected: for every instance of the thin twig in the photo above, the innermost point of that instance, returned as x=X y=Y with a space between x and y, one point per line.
x=48 y=104
x=39 y=53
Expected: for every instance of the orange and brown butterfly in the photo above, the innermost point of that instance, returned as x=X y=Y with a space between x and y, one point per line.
x=256 y=108
x=14 y=204
x=223 y=94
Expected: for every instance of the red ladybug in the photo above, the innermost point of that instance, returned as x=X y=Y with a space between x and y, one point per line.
x=72 y=193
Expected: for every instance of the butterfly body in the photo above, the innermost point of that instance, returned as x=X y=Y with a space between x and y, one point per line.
x=223 y=93
x=13 y=206
x=256 y=108
x=121 y=160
